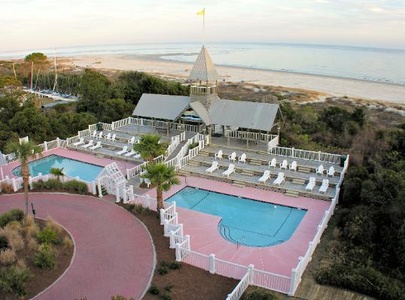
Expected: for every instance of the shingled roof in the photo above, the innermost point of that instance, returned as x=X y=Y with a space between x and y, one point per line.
x=203 y=69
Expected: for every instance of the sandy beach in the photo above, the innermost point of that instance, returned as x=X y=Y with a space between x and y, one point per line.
x=327 y=86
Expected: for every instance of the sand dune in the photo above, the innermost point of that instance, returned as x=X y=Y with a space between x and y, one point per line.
x=330 y=85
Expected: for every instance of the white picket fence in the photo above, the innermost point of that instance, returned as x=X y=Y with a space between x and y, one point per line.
x=305 y=154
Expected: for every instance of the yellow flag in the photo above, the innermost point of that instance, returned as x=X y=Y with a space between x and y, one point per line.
x=201 y=12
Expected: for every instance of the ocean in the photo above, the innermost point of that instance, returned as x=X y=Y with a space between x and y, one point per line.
x=371 y=64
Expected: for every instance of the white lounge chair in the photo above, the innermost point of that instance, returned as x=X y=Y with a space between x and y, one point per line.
x=130 y=153
x=80 y=142
x=232 y=157
x=218 y=155
x=280 y=179
x=311 y=184
x=265 y=176
x=293 y=166
x=229 y=171
x=242 y=158
x=284 y=164
x=213 y=167
x=113 y=137
x=320 y=170
x=96 y=146
x=324 y=186
x=124 y=150
x=89 y=144
x=99 y=135
x=273 y=163
x=108 y=136
x=94 y=134
x=331 y=171
x=131 y=140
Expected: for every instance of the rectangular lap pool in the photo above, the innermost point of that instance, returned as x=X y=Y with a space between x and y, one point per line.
x=72 y=168
x=244 y=221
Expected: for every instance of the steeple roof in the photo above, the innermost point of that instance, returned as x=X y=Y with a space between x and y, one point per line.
x=203 y=69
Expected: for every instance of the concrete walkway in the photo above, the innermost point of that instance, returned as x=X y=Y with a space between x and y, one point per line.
x=114 y=252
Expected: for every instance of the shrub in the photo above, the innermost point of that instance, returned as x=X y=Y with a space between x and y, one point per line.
x=13 y=280
x=11 y=215
x=163 y=270
x=154 y=290
x=260 y=294
x=15 y=241
x=76 y=187
x=45 y=258
x=31 y=230
x=47 y=236
x=52 y=225
x=67 y=243
x=53 y=184
x=6 y=188
x=7 y=256
x=165 y=297
x=175 y=265
x=32 y=244
x=169 y=287
x=39 y=185
x=14 y=226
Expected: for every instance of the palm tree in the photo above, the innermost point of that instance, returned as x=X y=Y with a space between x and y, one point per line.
x=58 y=172
x=164 y=177
x=149 y=147
x=23 y=151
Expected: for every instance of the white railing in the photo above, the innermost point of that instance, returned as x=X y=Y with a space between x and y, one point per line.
x=146 y=201
x=305 y=154
x=106 y=126
x=247 y=135
x=242 y=285
x=272 y=143
x=135 y=171
x=228 y=269
x=121 y=123
x=196 y=259
x=175 y=141
x=84 y=133
x=271 y=281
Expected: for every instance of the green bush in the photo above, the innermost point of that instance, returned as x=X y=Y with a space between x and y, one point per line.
x=53 y=184
x=260 y=294
x=154 y=290
x=45 y=258
x=48 y=236
x=163 y=270
x=38 y=185
x=13 y=280
x=11 y=215
x=165 y=297
x=175 y=265
x=76 y=187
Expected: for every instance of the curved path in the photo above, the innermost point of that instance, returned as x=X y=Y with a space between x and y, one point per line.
x=114 y=251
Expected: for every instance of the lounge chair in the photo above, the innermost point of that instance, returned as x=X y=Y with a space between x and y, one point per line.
x=113 y=137
x=131 y=140
x=94 y=134
x=331 y=171
x=213 y=167
x=293 y=166
x=96 y=146
x=280 y=179
x=311 y=184
x=80 y=142
x=273 y=163
x=232 y=157
x=229 y=171
x=320 y=170
x=89 y=144
x=265 y=176
x=108 y=136
x=218 y=155
x=284 y=164
x=99 y=135
x=242 y=158
x=324 y=186
x=124 y=150
x=132 y=152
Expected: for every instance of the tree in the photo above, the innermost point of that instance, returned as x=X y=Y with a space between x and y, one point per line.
x=163 y=177
x=23 y=152
x=149 y=147
x=58 y=172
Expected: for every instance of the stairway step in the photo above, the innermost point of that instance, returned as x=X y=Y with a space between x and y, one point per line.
x=299 y=181
x=292 y=193
x=304 y=169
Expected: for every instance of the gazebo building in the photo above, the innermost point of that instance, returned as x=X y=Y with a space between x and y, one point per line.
x=240 y=122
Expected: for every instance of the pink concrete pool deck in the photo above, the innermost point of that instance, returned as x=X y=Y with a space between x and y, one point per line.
x=77 y=155
x=279 y=259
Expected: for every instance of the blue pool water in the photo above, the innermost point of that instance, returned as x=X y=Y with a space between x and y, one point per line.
x=244 y=221
x=72 y=168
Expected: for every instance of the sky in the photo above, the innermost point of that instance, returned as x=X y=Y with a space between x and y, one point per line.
x=47 y=24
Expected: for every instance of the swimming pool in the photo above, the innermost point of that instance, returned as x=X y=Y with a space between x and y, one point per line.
x=72 y=168
x=244 y=221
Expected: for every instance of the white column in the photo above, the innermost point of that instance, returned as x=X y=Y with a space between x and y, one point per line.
x=100 y=192
x=212 y=263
